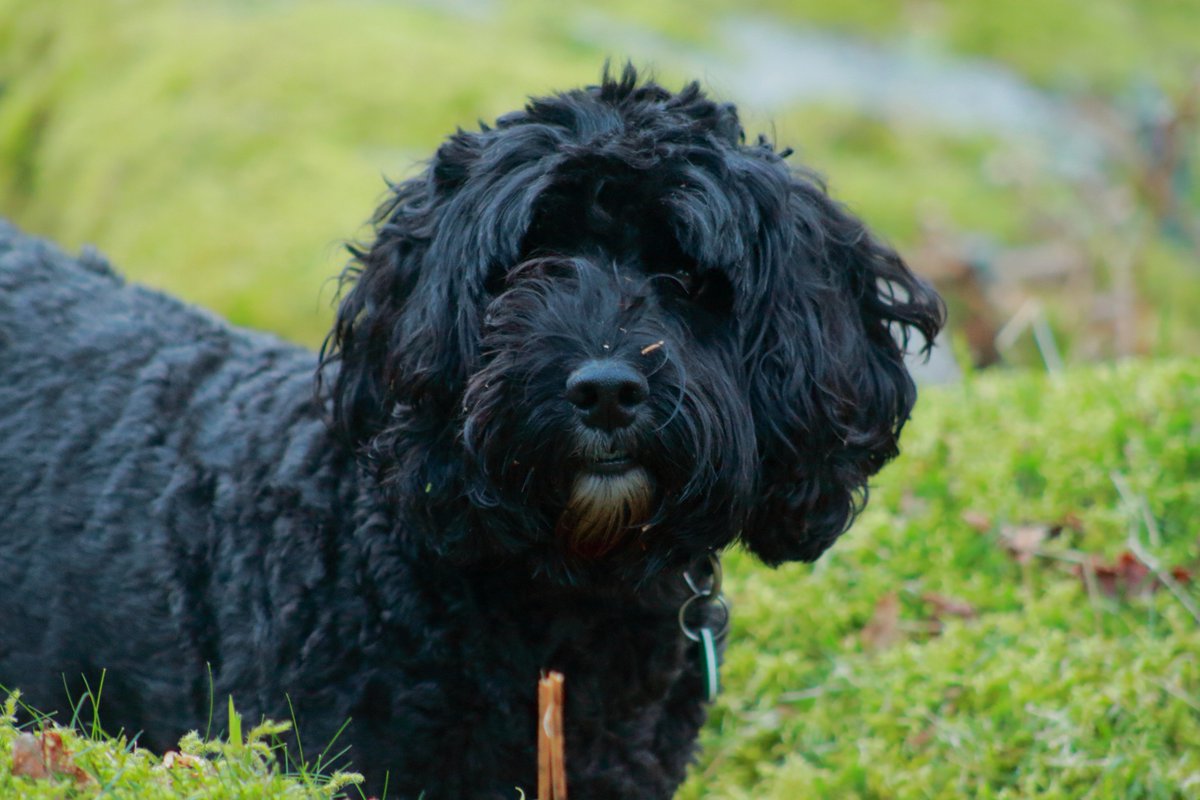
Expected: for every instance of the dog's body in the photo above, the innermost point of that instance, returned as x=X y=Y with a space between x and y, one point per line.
x=588 y=347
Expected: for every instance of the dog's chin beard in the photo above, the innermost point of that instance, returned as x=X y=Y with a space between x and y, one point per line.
x=604 y=508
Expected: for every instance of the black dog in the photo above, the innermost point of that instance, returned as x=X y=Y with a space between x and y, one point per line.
x=589 y=347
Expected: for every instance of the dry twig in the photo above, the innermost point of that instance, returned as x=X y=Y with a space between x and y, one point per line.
x=552 y=770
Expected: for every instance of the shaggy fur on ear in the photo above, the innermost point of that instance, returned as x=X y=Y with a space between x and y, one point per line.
x=828 y=381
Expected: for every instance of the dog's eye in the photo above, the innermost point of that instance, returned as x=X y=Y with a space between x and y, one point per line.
x=685 y=280
x=712 y=291
x=677 y=283
x=709 y=290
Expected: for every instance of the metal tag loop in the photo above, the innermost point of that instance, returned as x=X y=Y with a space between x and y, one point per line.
x=714 y=586
x=717 y=631
x=708 y=634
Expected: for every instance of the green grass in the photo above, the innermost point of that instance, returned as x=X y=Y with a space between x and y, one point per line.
x=1051 y=691
x=240 y=768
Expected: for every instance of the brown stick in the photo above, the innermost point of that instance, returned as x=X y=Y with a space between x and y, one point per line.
x=552 y=771
x=543 y=750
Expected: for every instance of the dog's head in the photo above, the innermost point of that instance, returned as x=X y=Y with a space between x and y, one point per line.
x=607 y=329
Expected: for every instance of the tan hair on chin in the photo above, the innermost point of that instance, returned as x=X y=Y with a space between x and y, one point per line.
x=603 y=508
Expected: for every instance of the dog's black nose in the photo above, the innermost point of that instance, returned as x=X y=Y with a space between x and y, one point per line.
x=607 y=392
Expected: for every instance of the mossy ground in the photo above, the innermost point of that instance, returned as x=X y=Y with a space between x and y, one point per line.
x=1049 y=690
x=87 y=763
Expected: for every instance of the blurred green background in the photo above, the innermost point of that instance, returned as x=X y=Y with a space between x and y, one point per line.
x=1038 y=159
x=225 y=150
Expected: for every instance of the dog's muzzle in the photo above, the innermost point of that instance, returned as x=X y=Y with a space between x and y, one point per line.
x=608 y=394
x=612 y=493
x=611 y=463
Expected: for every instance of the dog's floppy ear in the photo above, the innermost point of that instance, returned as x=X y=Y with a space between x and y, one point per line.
x=406 y=332
x=828 y=385
x=379 y=329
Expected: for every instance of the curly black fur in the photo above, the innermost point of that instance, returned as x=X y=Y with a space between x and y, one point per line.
x=452 y=513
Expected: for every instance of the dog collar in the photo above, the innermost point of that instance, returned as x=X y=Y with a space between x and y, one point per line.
x=706 y=591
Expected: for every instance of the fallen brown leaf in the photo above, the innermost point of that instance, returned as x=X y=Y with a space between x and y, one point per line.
x=177 y=760
x=911 y=505
x=883 y=630
x=1072 y=522
x=944 y=606
x=977 y=520
x=27 y=758
x=1023 y=542
x=1127 y=576
x=921 y=738
x=45 y=756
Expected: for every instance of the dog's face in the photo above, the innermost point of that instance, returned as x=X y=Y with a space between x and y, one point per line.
x=608 y=331
x=607 y=384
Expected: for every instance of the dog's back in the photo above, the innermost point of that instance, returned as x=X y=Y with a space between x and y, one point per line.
x=138 y=437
